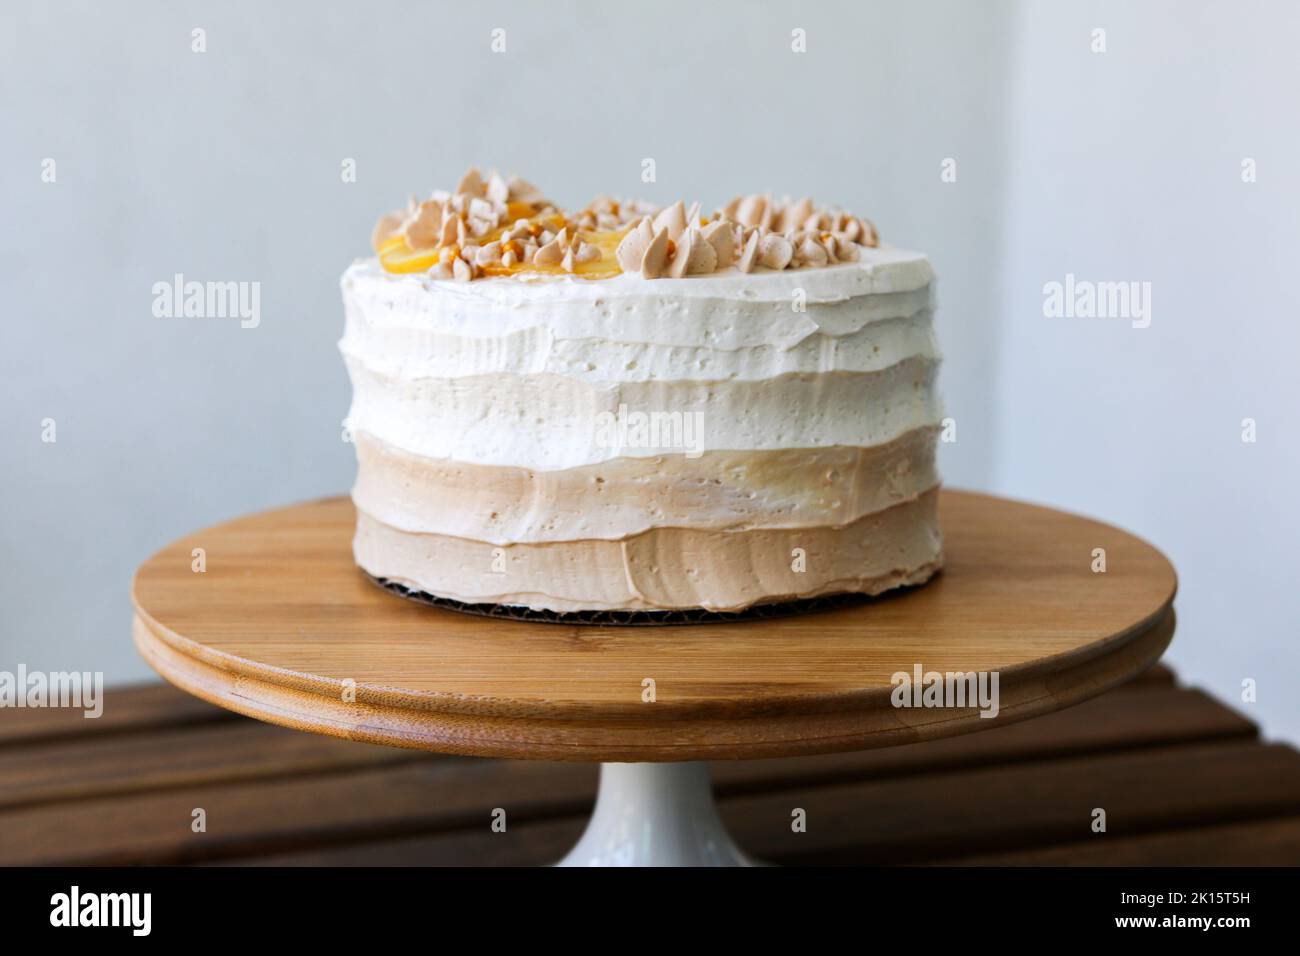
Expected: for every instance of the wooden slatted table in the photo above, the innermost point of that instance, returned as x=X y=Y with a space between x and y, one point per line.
x=1184 y=780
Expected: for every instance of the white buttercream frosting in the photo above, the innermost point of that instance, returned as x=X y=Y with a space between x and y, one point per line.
x=503 y=413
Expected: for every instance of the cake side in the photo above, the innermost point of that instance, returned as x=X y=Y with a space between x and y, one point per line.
x=569 y=444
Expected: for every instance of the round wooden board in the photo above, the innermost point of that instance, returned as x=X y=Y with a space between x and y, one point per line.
x=282 y=626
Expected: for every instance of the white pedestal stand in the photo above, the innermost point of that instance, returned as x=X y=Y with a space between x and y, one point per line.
x=655 y=814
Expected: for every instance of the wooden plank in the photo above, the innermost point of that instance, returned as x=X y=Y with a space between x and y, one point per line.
x=213 y=753
x=933 y=819
x=918 y=819
x=1132 y=717
x=268 y=815
x=924 y=813
x=534 y=842
x=1274 y=842
x=126 y=710
x=241 y=750
x=1155 y=674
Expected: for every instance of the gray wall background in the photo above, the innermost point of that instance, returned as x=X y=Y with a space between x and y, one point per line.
x=226 y=165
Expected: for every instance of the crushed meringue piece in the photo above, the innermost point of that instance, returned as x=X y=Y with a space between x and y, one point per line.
x=471 y=184
x=550 y=254
x=497 y=190
x=422 y=229
x=775 y=251
x=489 y=255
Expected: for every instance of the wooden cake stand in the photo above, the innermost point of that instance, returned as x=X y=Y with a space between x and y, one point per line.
x=272 y=619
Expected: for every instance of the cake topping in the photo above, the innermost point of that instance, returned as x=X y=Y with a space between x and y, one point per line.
x=498 y=226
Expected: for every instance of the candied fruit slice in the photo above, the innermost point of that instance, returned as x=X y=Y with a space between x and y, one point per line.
x=395 y=256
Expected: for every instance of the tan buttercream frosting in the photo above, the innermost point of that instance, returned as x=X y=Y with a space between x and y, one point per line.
x=664 y=568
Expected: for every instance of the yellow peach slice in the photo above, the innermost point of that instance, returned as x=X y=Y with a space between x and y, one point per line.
x=396 y=256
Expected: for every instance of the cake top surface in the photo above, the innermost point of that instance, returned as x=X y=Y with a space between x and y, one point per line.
x=495 y=227
x=880 y=271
